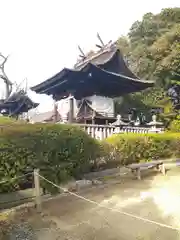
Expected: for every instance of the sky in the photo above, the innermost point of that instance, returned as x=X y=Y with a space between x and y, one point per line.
x=41 y=36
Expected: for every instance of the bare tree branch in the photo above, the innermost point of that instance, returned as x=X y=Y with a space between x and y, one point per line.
x=4 y=77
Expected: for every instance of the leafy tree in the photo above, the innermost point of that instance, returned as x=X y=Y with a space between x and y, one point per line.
x=153 y=51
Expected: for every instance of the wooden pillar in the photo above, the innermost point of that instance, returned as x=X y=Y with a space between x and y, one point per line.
x=37 y=190
x=113 y=108
x=85 y=111
x=93 y=117
x=71 y=110
x=55 y=112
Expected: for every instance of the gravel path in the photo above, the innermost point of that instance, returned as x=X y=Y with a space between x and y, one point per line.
x=156 y=198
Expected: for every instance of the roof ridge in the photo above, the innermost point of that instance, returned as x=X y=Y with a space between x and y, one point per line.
x=107 y=48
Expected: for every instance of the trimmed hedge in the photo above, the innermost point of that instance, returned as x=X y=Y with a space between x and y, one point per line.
x=60 y=151
x=132 y=148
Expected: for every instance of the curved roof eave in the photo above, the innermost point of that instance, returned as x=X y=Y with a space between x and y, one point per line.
x=126 y=77
x=113 y=79
x=51 y=80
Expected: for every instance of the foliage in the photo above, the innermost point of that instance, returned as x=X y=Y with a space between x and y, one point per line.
x=60 y=151
x=154 y=44
x=175 y=125
x=152 y=48
x=122 y=104
x=132 y=148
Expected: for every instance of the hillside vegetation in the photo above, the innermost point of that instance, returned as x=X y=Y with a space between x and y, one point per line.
x=152 y=50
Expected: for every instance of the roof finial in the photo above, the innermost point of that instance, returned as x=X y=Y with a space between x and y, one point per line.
x=101 y=41
x=82 y=53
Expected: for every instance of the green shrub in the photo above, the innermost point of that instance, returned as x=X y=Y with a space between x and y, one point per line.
x=106 y=158
x=59 y=151
x=175 y=125
x=132 y=148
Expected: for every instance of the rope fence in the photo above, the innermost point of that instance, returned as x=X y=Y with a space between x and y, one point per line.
x=145 y=220
x=38 y=201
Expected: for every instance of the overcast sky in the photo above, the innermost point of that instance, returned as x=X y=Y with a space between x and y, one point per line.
x=41 y=36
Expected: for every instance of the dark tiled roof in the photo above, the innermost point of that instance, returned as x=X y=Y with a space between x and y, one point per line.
x=17 y=103
x=103 y=73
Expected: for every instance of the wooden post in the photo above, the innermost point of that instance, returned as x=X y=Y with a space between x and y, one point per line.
x=163 y=169
x=55 y=112
x=93 y=117
x=71 y=110
x=37 y=190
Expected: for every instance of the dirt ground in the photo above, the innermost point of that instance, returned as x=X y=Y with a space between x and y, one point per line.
x=156 y=198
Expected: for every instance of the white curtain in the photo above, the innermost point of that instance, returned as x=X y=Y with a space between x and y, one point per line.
x=102 y=105
x=63 y=107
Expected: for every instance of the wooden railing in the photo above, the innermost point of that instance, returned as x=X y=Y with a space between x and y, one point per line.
x=104 y=131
